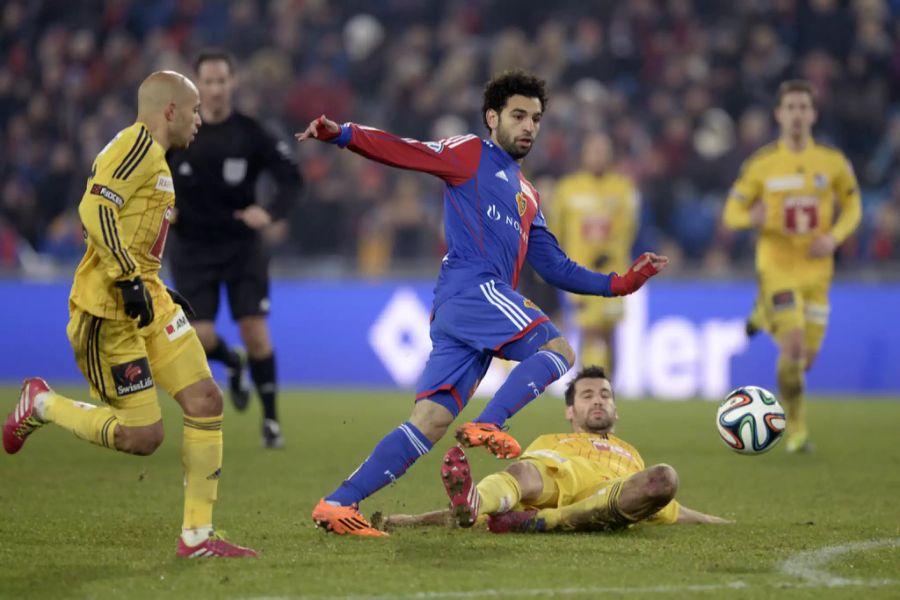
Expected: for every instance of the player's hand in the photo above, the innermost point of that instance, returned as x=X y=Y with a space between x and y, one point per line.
x=182 y=302
x=322 y=129
x=822 y=246
x=254 y=216
x=138 y=304
x=646 y=266
x=758 y=214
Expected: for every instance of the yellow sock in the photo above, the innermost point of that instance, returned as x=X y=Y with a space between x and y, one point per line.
x=790 y=384
x=499 y=493
x=599 y=512
x=201 y=455
x=96 y=424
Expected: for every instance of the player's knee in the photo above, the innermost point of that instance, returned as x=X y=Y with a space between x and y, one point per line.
x=528 y=478
x=662 y=483
x=204 y=401
x=561 y=347
x=432 y=419
x=793 y=347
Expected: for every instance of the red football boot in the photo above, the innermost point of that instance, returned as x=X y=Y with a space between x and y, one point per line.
x=23 y=421
x=215 y=546
x=457 y=478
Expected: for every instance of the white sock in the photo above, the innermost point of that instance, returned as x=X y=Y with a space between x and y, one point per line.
x=197 y=535
x=39 y=404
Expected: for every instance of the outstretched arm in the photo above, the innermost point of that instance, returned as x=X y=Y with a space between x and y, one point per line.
x=687 y=515
x=557 y=269
x=384 y=522
x=455 y=160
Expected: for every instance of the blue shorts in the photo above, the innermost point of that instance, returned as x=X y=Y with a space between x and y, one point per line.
x=472 y=327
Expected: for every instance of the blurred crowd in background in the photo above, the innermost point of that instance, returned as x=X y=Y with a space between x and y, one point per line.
x=684 y=87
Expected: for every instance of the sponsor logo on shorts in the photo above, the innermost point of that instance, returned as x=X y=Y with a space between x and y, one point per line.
x=529 y=304
x=783 y=300
x=178 y=326
x=165 y=184
x=105 y=192
x=132 y=377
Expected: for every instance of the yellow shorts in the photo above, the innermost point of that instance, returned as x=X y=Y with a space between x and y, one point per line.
x=566 y=483
x=594 y=312
x=124 y=364
x=790 y=307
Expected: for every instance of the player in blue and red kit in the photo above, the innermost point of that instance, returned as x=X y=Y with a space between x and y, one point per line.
x=493 y=224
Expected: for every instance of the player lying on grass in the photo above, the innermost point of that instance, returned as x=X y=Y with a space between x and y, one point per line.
x=587 y=480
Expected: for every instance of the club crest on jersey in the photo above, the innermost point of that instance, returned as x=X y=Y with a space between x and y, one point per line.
x=521 y=203
x=438 y=147
x=132 y=377
x=820 y=181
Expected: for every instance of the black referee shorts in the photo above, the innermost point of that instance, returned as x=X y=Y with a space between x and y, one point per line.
x=200 y=269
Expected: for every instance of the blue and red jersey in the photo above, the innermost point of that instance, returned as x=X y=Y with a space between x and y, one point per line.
x=492 y=213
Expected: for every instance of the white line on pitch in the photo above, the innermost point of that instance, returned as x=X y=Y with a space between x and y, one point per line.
x=809 y=565
x=805 y=565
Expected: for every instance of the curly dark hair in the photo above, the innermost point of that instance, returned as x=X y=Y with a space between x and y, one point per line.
x=590 y=372
x=510 y=83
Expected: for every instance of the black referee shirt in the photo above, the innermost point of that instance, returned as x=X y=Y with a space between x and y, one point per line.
x=217 y=175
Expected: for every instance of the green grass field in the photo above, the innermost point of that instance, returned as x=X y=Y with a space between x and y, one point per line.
x=82 y=522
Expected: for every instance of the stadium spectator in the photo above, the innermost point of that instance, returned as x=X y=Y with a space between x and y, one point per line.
x=648 y=71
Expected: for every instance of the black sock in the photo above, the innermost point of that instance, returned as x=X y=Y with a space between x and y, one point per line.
x=224 y=355
x=262 y=372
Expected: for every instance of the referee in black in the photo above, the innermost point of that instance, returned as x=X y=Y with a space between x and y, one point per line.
x=216 y=233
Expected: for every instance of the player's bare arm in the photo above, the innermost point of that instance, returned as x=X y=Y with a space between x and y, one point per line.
x=687 y=515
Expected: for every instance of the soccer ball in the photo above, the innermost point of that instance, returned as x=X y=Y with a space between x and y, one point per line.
x=750 y=420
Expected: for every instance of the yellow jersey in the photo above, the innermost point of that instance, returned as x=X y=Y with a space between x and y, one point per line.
x=125 y=212
x=595 y=457
x=801 y=191
x=595 y=218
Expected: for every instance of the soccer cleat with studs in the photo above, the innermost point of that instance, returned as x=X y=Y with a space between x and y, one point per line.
x=457 y=478
x=343 y=520
x=23 y=421
x=498 y=442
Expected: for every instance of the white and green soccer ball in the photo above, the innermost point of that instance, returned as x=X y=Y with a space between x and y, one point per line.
x=750 y=420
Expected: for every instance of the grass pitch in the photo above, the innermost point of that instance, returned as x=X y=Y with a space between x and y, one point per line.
x=82 y=522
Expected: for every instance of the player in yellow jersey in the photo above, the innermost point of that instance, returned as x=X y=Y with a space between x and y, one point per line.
x=594 y=214
x=803 y=198
x=587 y=480
x=128 y=331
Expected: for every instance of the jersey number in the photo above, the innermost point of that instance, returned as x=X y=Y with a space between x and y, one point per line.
x=801 y=214
x=156 y=251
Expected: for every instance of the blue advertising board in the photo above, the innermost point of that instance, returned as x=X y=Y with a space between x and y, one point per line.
x=679 y=339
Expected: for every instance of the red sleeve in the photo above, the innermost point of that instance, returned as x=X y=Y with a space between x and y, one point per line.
x=455 y=159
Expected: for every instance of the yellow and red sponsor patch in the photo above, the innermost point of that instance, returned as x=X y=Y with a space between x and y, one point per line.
x=529 y=304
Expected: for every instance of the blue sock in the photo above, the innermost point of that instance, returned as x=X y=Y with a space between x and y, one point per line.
x=394 y=454
x=524 y=384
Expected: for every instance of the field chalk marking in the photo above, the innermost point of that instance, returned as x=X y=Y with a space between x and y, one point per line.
x=808 y=566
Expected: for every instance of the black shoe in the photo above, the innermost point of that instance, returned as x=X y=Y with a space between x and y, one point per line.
x=238 y=384
x=271 y=434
